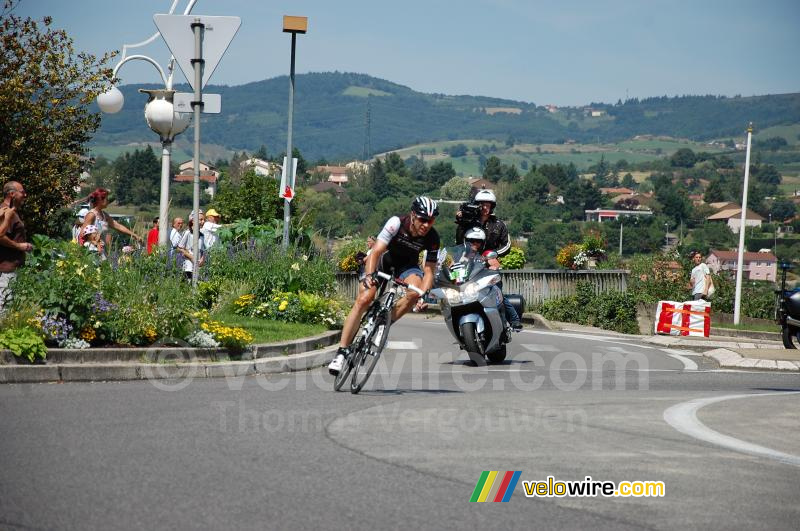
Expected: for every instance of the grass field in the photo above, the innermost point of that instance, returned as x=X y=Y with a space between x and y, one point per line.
x=790 y=132
x=582 y=155
x=264 y=331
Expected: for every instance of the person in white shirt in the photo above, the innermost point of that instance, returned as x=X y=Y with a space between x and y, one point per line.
x=210 y=228
x=185 y=248
x=700 y=279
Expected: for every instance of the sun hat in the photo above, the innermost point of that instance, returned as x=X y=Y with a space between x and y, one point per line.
x=212 y=212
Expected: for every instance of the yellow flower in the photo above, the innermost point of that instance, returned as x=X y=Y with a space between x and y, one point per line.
x=283 y=305
x=88 y=333
x=296 y=266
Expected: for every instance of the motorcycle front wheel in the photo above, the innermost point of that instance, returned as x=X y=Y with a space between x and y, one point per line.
x=791 y=336
x=470 y=335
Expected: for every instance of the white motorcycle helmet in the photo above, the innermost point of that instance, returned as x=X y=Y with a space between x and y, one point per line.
x=475 y=234
x=486 y=195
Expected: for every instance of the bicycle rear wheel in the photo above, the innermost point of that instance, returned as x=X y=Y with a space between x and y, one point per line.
x=367 y=356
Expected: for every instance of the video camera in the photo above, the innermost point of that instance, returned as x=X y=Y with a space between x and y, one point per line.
x=470 y=215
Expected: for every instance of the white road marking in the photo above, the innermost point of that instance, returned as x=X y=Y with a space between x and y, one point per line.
x=683 y=417
x=598 y=338
x=679 y=355
x=540 y=348
x=401 y=345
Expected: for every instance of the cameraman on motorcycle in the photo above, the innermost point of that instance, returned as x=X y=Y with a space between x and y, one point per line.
x=497 y=240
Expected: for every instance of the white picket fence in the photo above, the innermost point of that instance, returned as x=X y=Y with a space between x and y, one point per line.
x=536 y=285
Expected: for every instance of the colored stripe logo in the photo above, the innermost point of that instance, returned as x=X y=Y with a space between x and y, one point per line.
x=494 y=486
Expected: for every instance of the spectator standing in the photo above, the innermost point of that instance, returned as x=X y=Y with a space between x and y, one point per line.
x=210 y=227
x=176 y=233
x=12 y=238
x=98 y=216
x=185 y=248
x=700 y=279
x=152 y=236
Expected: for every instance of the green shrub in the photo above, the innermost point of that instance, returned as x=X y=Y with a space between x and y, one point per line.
x=515 y=259
x=62 y=280
x=611 y=310
x=654 y=278
x=24 y=343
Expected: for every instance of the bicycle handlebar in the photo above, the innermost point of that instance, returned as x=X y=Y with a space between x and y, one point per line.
x=385 y=276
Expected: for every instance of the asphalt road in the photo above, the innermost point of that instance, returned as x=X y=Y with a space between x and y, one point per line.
x=286 y=452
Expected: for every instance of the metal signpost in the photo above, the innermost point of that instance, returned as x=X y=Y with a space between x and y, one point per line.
x=197 y=42
x=293 y=25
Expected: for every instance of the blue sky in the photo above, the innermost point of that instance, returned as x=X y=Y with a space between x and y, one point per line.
x=568 y=52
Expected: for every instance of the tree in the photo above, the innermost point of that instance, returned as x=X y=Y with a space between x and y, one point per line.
x=394 y=164
x=45 y=92
x=379 y=179
x=628 y=182
x=493 y=170
x=459 y=150
x=601 y=172
x=715 y=192
x=441 y=172
x=261 y=153
x=138 y=176
x=457 y=189
x=683 y=158
x=256 y=197
x=782 y=209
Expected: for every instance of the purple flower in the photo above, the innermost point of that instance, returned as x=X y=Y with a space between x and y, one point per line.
x=100 y=305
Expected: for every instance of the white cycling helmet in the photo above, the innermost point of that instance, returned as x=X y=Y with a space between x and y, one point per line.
x=475 y=233
x=485 y=195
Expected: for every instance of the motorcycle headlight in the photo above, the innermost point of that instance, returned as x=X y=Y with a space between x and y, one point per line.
x=453 y=296
x=471 y=290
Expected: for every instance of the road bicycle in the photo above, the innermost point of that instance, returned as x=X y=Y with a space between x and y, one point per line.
x=370 y=339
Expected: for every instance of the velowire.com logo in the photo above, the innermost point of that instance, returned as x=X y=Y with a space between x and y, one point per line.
x=494 y=486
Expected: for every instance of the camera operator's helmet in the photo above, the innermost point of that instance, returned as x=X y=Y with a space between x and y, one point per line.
x=485 y=195
x=475 y=234
x=425 y=207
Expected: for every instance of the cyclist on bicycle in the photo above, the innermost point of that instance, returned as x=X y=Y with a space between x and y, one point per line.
x=397 y=248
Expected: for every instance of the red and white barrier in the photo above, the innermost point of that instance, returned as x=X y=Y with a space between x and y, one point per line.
x=690 y=318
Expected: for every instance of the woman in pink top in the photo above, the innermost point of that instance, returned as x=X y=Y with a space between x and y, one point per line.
x=102 y=220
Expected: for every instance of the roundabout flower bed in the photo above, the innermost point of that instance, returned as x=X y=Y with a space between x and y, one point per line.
x=64 y=298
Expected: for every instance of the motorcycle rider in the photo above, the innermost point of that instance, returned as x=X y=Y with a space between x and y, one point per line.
x=497 y=240
x=397 y=247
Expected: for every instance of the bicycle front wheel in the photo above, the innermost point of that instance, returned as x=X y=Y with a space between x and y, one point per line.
x=367 y=356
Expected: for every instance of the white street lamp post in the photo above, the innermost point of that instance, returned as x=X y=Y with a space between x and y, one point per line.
x=737 y=302
x=160 y=116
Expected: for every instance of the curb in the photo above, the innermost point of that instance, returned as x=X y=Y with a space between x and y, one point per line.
x=122 y=364
x=92 y=372
x=734 y=360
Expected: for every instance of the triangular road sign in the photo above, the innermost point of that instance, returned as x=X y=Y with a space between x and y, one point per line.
x=178 y=33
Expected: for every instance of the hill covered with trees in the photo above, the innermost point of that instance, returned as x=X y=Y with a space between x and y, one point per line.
x=331 y=110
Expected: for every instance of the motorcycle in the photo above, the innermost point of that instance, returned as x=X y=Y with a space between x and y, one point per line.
x=788 y=314
x=472 y=304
